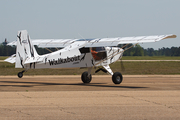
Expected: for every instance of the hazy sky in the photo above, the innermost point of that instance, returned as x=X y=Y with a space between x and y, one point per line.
x=91 y=19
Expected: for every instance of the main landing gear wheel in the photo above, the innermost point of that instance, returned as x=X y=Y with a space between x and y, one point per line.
x=85 y=78
x=117 y=78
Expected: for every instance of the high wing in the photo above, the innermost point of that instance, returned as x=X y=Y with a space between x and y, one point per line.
x=97 y=42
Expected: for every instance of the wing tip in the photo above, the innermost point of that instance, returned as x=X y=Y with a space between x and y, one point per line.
x=171 y=36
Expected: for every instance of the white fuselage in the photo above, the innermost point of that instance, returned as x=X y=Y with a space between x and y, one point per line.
x=78 y=58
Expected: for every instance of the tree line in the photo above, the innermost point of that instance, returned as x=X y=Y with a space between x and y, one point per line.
x=134 y=51
x=140 y=51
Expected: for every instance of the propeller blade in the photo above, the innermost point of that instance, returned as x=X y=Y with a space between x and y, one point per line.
x=122 y=66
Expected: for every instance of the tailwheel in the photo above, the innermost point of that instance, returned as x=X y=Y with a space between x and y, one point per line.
x=20 y=74
x=117 y=78
x=85 y=78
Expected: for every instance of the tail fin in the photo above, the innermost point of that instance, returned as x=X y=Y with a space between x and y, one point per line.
x=25 y=49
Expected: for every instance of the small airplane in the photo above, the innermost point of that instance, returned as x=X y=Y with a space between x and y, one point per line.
x=75 y=53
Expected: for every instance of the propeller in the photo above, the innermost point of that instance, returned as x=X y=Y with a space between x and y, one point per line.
x=122 y=66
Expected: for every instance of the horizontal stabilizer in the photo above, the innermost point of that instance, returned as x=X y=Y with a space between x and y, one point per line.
x=11 y=59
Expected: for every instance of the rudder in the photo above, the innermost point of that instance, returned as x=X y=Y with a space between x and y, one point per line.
x=24 y=49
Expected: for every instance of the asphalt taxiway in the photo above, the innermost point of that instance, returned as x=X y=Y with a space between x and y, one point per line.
x=66 y=97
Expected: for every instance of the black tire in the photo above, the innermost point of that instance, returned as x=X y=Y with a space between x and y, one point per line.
x=20 y=74
x=85 y=78
x=117 y=78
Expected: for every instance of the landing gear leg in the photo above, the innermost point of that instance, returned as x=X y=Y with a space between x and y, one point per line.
x=20 y=74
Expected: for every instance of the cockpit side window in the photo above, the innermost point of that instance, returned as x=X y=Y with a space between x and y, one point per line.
x=84 y=50
x=98 y=53
x=98 y=49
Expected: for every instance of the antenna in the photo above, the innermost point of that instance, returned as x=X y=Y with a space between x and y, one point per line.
x=82 y=37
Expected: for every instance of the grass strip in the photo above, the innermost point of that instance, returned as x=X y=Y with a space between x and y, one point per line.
x=150 y=58
x=131 y=68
